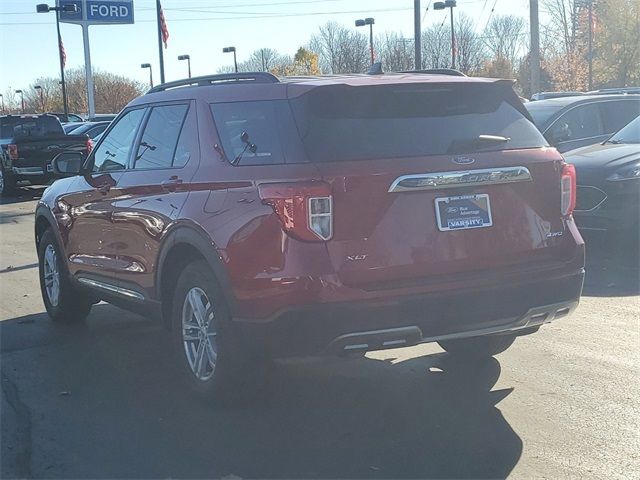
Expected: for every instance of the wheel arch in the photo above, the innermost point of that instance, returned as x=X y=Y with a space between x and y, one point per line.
x=183 y=245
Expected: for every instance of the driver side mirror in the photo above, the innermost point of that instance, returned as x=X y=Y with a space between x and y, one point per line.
x=67 y=164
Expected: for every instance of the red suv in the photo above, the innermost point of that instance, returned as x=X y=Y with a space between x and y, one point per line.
x=261 y=217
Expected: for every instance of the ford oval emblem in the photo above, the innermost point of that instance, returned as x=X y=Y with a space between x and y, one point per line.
x=463 y=160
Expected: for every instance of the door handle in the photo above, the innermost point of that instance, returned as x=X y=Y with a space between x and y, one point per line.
x=172 y=184
x=104 y=189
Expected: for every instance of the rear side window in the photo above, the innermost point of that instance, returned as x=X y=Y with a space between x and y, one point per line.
x=339 y=123
x=268 y=126
x=583 y=121
x=617 y=114
x=160 y=138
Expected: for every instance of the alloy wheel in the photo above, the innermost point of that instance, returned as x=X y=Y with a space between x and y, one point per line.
x=199 y=334
x=51 y=275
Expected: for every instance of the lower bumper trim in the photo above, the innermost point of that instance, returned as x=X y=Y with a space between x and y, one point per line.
x=408 y=336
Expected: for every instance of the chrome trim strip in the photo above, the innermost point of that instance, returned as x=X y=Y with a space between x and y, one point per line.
x=124 y=292
x=28 y=170
x=595 y=188
x=460 y=178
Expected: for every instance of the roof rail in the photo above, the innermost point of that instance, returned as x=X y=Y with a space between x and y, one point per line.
x=438 y=71
x=256 y=77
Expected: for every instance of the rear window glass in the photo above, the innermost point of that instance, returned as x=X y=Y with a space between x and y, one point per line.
x=29 y=127
x=352 y=123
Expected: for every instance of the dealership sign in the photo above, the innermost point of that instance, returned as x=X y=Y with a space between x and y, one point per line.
x=98 y=12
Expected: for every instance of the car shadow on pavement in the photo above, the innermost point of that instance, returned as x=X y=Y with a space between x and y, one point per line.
x=23 y=194
x=105 y=399
x=611 y=275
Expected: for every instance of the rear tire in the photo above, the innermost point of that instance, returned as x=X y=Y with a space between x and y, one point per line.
x=7 y=183
x=64 y=303
x=478 y=347
x=215 y=359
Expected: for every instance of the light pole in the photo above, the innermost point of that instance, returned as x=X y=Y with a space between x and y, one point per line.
x=370 y=22
x=188 y=59
x=229 y=50
x=67 y=7
x=2 y=98
x=148 y=65
x=39 y=89
x=441 y=6
x=21 y=99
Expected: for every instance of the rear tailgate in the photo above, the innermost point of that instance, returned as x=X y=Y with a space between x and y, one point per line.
x=39 y=151
x=471 y=154
x=381 y=237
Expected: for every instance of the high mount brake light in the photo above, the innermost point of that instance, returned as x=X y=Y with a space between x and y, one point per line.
x=568 y=189
x=305 y=209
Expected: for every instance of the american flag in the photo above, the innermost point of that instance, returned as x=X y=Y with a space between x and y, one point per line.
x=63 y=54
x=163 y=27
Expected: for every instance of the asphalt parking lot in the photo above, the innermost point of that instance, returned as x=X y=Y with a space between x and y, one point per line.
x=103 y=399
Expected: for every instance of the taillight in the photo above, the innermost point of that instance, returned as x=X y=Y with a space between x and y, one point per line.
x=568 y=189
x=13 y=151
x=305 y=209
x=89 y=145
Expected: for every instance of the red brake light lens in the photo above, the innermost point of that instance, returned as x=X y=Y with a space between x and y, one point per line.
x=89 y=146
x=568 y=189
x=13 y=151
x=305 y=209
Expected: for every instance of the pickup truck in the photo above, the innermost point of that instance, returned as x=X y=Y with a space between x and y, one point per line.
x=28 y=143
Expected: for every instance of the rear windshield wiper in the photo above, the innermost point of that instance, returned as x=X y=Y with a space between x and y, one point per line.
x=464 y=145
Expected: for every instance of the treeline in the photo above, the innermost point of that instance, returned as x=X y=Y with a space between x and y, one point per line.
x=499 y=50
x=112 y=93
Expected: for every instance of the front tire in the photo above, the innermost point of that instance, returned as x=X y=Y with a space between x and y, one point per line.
x=215 y=360
x=64 y=303
x=7 y=183
x=478 y=347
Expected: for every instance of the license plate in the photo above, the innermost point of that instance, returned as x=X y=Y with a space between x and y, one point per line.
x=463 y=212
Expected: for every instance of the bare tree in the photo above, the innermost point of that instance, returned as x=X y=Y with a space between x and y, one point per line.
x=504 y=37
x=395 y=52
x=340 y=49
x=470 y=48
x=436 y=47
x=263 y=59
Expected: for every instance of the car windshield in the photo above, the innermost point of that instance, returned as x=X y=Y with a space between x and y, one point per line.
x=628 y=134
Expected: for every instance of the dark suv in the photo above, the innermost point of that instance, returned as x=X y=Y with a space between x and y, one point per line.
x=261 y=217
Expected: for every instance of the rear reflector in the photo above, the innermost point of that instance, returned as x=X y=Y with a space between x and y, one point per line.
x=568 y=189
x=13 y=151
x=89 y=146
x=304 y=209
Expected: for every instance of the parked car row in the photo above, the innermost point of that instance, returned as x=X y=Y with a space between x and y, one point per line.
x=28 y=143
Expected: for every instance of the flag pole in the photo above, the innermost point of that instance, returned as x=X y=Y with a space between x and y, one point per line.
x=159 y=22
x=65 y=105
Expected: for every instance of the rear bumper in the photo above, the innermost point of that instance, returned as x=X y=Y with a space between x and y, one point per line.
x=343 y=327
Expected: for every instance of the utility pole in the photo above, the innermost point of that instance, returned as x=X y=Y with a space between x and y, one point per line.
x=590 y=44
x=534 y=53
x=417 y=34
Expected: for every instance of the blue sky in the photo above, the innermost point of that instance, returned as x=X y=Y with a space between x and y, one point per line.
x=200 y=28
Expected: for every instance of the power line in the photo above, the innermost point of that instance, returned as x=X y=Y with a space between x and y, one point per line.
x=248 y=17
x=490 y=14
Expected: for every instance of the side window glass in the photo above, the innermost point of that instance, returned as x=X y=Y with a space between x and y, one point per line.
x=188 y=141
x=159 y=140
x=581 y=122
x=113 y=153
x=617 y=114
x=249 y=131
